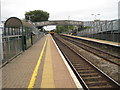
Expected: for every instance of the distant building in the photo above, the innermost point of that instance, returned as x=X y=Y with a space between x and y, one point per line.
x=119 y=10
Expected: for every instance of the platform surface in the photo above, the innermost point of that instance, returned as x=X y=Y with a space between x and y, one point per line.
x=41 y=66
x=96 y=40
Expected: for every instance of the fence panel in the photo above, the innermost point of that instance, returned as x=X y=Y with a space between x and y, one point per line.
x=11 y=47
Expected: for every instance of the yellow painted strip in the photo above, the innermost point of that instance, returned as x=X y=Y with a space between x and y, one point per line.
x=33 y=78
x=47 y=77
x=96 y=40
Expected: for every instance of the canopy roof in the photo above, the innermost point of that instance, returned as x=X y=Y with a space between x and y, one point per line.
x=14 y=22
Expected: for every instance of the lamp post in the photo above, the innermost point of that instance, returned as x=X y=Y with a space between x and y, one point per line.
x=68 y=17
x=96 y=29
x=68 y=25
x=95 y=15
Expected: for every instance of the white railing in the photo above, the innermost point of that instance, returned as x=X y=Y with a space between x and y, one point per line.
x=100 y=26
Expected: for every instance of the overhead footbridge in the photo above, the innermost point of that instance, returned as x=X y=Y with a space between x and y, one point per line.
x=58 y=22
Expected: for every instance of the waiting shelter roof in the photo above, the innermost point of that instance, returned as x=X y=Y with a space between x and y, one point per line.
x=14 y=22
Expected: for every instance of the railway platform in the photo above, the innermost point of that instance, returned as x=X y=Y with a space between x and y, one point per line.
x=107 y=46
x=117 y=44
x=41 y=66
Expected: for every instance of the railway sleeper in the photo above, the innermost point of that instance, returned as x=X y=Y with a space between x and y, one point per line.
x=89 y=75
x=86 y=71
x=80 y=65
x=92 y=49
x=78 y=62
x=83 y=68
x=98 y=83
x=91 y=79
x=94 y=73
x=102 y=87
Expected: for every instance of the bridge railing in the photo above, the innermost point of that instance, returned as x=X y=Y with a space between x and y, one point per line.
x=58 y=22
x=105 y=30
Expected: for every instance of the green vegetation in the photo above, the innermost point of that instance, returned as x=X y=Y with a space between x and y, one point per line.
x=66 y=28
x=83 y=28
x=52 y=30
x=46 y=32
x=37 y=15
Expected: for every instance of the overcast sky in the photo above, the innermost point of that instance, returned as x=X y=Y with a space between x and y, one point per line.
x=62 y=9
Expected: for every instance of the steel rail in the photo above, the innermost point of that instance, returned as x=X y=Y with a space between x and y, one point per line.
x=113 y=81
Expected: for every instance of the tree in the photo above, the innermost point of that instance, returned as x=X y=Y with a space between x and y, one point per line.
x=66 y=28
x=37 y=15
x=83 y=28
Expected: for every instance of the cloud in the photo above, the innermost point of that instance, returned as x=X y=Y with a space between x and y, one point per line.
x=61 y=9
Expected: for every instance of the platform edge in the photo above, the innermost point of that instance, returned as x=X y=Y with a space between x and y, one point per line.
x=78 y=85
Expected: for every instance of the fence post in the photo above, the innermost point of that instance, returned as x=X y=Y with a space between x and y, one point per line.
x=23 y=40
x=118 y=30
x=31 y=38
x=1 y=47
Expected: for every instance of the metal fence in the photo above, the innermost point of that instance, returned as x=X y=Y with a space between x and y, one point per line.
x=105 y=30
x=37 y=36
x=12 y=46
x=18 y=36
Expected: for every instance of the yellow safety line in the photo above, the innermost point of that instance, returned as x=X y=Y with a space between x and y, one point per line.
x=33 y=78
x=47 y=77
x=97 y=40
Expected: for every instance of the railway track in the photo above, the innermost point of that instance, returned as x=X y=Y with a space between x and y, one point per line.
x=106 y=56
x=88 y=74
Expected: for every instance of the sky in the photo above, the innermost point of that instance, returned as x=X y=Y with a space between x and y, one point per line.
x=79 y=10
